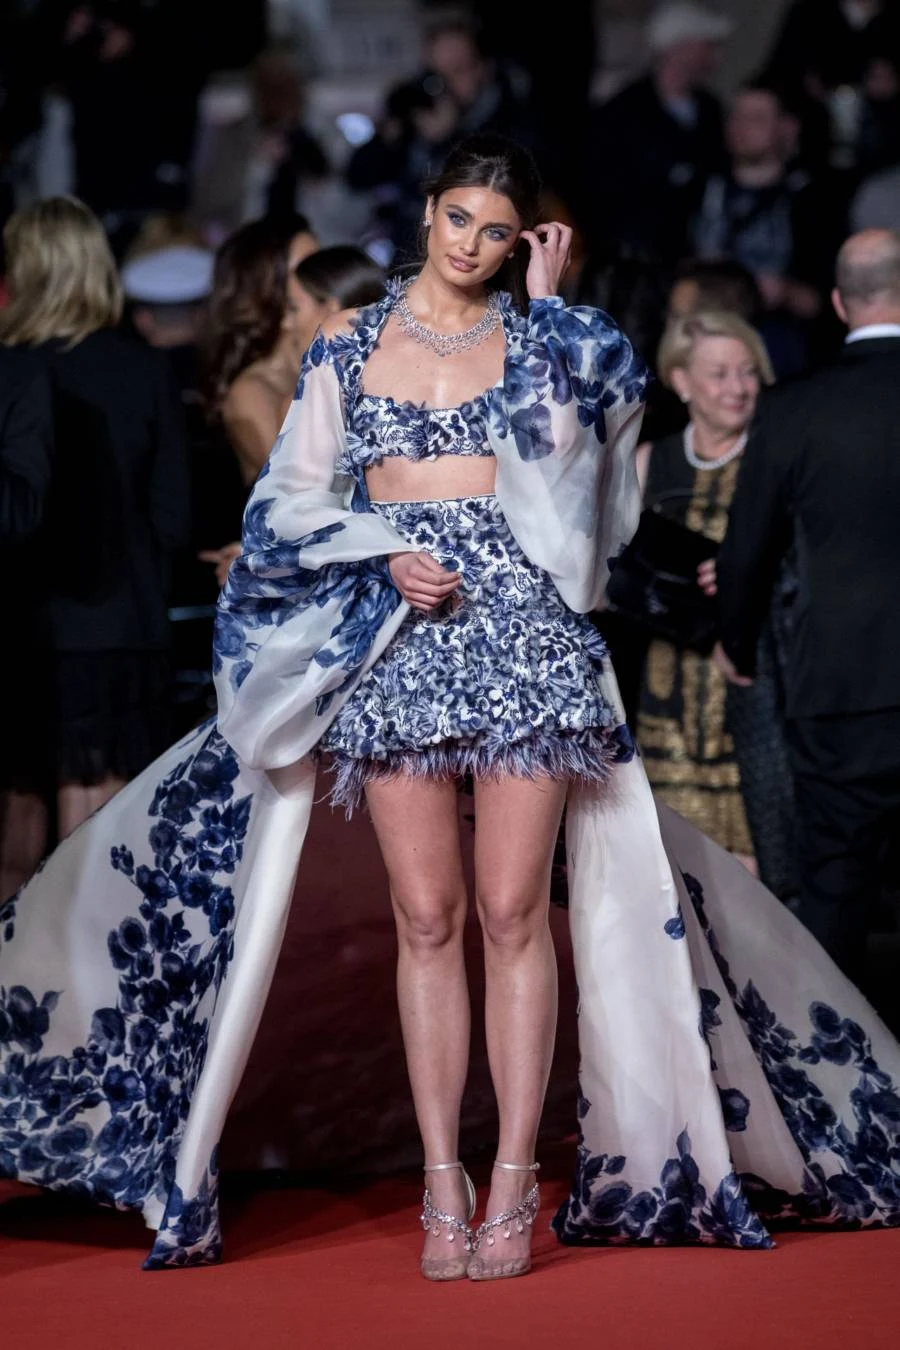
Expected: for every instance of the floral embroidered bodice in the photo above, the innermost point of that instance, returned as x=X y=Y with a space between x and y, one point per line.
x=380 y=427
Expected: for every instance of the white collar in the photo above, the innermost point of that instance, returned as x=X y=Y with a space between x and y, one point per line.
x=874 y=330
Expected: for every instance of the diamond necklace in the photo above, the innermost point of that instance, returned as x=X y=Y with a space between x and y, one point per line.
x=446 y=344
x=695 y=460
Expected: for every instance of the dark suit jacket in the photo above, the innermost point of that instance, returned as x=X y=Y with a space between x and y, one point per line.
x=26 y=445
x=648 y=171
x=118 y=504
x=823 y=465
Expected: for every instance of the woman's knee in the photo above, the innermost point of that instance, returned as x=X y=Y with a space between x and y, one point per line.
x=429 y=923
x=511 y=922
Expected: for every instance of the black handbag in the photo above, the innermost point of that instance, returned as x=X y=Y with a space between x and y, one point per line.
x=653 y=582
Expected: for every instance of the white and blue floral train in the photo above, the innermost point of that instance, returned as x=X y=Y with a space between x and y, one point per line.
x=731 y=1079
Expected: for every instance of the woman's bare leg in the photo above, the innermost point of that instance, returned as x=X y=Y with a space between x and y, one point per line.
x=23 y=839
x=75 y=802
x=516 y=826
x=416 y=822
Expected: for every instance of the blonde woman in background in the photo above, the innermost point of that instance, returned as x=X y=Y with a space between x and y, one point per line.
x=92 y=672
x=716 y=363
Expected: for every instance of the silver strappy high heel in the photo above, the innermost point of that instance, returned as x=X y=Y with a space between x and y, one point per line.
x=517 y=1219
x=458 y=1231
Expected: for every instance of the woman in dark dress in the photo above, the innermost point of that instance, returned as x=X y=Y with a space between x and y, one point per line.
x=94 y=666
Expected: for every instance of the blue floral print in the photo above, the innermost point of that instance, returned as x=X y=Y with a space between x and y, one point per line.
x=189 y=1234
x=868 y=1148
x=505 y=680
x=106 y=1121
x=382 y=427
x=677 y=1210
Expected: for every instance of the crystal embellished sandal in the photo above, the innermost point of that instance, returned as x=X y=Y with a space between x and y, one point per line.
x=519 y=1218
x=457 y=1231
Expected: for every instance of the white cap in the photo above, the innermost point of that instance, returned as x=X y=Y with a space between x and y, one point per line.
x=169 y=276
x=683 y=21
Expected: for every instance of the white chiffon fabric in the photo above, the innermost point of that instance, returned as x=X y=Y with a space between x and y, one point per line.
x=731 y=1078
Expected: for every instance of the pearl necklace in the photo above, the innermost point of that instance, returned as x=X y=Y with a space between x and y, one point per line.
x=695 y=460
x=446 y=344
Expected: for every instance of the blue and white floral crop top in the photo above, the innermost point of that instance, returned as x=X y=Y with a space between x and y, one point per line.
x=380 y=427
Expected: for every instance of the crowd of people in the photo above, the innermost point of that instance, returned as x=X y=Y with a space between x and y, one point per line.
x=154 y=325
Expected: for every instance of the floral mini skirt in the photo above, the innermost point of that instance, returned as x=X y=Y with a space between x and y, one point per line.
x=503 y=679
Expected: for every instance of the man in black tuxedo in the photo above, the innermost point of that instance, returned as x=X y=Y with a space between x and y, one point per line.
x=823 y=467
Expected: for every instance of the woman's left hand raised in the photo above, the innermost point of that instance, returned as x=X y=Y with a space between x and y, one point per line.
x=551 y=249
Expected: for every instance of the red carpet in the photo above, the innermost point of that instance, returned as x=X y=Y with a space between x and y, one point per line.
x=321 y=1270
x=316 y=1270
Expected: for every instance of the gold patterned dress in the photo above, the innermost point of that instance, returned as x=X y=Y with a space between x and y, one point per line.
x=687 y=750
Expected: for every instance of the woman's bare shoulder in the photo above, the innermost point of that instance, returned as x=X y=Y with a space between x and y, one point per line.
x=337 y=325
x=253 y=389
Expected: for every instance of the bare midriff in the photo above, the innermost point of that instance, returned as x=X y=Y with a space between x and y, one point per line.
x=399 y=480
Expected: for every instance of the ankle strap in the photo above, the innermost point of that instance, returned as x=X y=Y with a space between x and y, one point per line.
x=517 y=1167
x=441 y=1167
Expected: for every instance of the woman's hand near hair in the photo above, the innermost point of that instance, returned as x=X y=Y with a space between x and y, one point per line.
x=421 y=581
x=551 y=250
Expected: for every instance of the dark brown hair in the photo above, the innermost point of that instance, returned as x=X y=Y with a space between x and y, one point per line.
x=505 y=167
x=248 y=300
x=342 y=273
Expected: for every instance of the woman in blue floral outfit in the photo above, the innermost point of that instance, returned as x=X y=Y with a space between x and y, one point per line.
x=438 y=515
x=490 y=673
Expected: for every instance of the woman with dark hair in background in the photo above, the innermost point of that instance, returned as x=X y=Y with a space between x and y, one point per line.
x=320 y=284
x=342 y=277
x=116 y=508
x=419 y=558
x=250 y=352
x=251 y=355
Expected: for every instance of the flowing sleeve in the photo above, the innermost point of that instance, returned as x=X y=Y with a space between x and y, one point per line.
x=564 y=429
x=309 y=604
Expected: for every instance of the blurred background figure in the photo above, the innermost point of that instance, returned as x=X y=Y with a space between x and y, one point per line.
x=766 y=211
x=131 y=73
x=166 y=289
x=656 y=143
x=332 y=279
x=95 y=655
x=460 y=90
x=837 y=62
x=724 y=283
x=26 y=468
x=251 y=356
x=823 y=468
x=716 y=363
x=256 y=156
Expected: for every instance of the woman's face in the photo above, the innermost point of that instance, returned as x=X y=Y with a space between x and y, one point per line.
x=304 y=314
x=296 y=309
x=472 y=231
x=720 y=383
